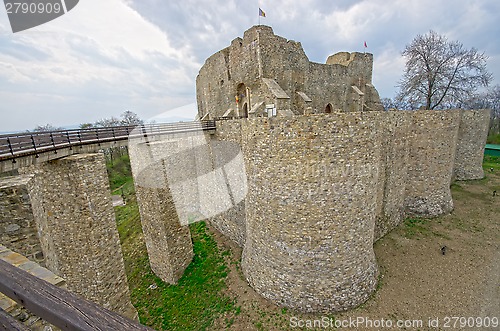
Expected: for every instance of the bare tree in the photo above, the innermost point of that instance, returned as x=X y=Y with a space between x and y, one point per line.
x=127 y=118
x=86 y=126
x=46 y=128
x=130 y=118
x=396 y=103
x=441 y=73
x=107 y=122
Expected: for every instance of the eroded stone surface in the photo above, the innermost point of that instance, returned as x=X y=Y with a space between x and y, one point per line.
x=72 y=207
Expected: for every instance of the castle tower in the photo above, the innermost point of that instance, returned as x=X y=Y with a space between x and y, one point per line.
x=311 y=209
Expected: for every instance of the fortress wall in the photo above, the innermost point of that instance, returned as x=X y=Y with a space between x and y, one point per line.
x=218 y=80
x=393 y=176
x=311 y=209
x=212 y=85
x=286 y=62
x=72 y=207
x=18 y=230
x=232 y=222
x=472 y=136
x=433 y=144
x=326 y=84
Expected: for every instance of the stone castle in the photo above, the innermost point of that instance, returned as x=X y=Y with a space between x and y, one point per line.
x=313 y=171
x=305 y=171
x=264 y=69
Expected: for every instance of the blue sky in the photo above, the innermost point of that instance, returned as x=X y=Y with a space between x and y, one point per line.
x=107 y=56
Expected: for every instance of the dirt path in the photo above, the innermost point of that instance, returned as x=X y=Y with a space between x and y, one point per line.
x=418 y=282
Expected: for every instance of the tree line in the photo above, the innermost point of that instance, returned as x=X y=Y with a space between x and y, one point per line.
x=126 y=118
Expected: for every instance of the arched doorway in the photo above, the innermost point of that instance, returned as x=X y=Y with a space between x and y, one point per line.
x=328 y=108
x=242 y=100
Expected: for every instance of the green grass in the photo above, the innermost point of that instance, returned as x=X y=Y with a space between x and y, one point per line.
x=198 y=299
x=119 y=172
x=493 y=139
x=420 y=227
x=491 y=162
x=415 y=226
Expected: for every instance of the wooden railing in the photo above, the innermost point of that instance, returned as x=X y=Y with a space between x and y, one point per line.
x=16 y=145
x=55 y=305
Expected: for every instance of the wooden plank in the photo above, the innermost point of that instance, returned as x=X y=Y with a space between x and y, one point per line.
x=58 y=306
x=9 y=323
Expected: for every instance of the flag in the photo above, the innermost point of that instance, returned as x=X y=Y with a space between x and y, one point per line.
x=261 y=13
x=366 y=45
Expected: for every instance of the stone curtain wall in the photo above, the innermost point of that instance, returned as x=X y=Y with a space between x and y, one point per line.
x=311 y=209
x=395 y=127
x=169 y=245
x=472 y=136
x=72 y=206
x=18 y=230
x=232 y=222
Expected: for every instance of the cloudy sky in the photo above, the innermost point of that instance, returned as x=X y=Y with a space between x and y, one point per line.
x=107 y=56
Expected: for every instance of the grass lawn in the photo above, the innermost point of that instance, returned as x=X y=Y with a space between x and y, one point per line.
x=198 y=298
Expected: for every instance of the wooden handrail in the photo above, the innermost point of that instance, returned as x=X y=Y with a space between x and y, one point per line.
x=57 y=306
x=32 y=143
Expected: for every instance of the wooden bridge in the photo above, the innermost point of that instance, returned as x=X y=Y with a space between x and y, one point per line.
x=22 y=149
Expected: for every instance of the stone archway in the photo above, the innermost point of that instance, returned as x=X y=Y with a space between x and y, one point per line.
x=328 y=108
x=242 y=100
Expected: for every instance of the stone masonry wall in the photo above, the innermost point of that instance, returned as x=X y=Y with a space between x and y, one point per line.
x=433 y=144
x=260 y=55
x=296 y=184
x=472 y=136
x=165 y=172
x=311 y=209
x=18 y=230
x=395 y=127
x=72 y=206
x=232 y=222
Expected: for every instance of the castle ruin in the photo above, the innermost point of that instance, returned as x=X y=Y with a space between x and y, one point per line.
x=263 y=69
x=304 y=171
x=313 y=171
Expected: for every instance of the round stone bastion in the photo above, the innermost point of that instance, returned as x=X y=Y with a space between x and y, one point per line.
x=432 y=151
x=311 y=209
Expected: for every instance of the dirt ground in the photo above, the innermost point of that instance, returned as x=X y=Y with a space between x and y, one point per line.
x=417 y=282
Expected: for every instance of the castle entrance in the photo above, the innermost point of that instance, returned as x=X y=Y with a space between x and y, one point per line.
x=242 y=100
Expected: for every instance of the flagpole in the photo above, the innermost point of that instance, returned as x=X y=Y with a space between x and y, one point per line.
x=258 y=5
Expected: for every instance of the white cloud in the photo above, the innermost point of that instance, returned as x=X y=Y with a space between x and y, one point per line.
x=107 y=56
